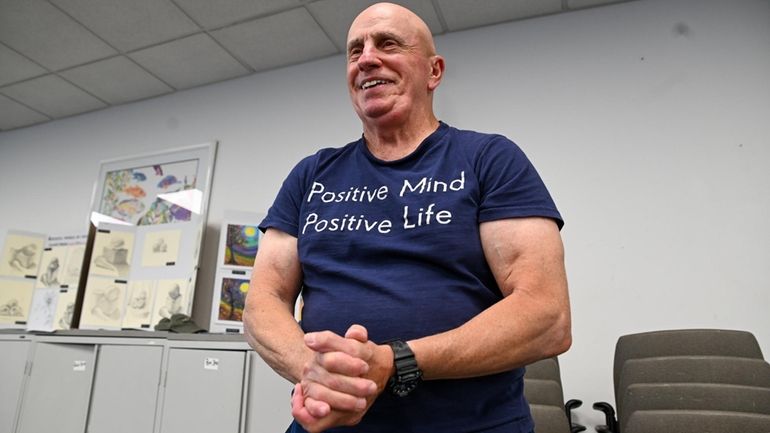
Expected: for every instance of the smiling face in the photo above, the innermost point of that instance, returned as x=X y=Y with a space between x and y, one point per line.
x=392 y=67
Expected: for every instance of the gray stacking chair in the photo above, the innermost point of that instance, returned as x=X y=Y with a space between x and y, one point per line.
x=684 y=421
x=549 y=419
x=684 y=342
x=692 y=369
x=673 y=343
x=543 y=390
x=693 y=396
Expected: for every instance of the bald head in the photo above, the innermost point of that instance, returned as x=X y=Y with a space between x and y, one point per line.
x=407 y=22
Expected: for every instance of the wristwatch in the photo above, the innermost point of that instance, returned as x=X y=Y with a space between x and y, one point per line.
x=408 y=374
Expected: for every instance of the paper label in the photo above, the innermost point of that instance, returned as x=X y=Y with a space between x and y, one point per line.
x=211 y=363
x=79 y=366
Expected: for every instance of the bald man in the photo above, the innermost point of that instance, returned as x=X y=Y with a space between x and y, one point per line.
x=429 y=259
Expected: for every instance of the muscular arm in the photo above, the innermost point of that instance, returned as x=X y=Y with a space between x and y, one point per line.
x=268 y=318
x=531 y=322
x=271 y=330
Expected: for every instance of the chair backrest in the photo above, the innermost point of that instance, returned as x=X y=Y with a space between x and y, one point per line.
x=693 y=396
x=684 y=421
x=549 y=419
x=544 y=369
x=693 y=369
x=543 y=392
x=684 y=342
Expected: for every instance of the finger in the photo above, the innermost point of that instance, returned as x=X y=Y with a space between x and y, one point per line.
x=327 y=341
x=340 y=363
x=335 y=399
x=317 y=408
x=357 y=332
x=298 y=409
x=347 y=384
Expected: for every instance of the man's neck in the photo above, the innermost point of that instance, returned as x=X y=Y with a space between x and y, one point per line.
x=390 y=142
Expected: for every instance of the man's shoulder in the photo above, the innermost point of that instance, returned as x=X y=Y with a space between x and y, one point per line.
x=477 y=142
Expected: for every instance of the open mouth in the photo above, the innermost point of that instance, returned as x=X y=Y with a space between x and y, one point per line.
x=372 y=83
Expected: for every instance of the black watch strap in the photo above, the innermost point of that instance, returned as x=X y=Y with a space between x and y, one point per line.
x=408 y=374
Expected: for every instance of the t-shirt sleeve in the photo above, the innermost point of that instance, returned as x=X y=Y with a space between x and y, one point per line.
x=284 y=213
x=510 y=185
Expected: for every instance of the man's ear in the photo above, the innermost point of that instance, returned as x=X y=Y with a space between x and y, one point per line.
x=436 y=72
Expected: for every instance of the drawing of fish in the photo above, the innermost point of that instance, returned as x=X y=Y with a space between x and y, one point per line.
x=139 y=176
x=134 y=191
x=129 y=208
x=158 y=170
x=168 y=181
x=179 y=213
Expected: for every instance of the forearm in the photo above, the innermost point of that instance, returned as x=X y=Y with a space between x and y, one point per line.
x=273 y=332
x=512 y=333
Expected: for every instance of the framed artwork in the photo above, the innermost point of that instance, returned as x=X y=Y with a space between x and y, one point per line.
x=51 y=272
x=70 y=275
x=21 y=254
x=15 y=301
x=141 y=296
x=239 y=245
x=161 y=248
x=159 y=188
x=112 y=250
x=103 y=303
x=65 y=309
x=171 y=297
x=43 y=310
x=231 y=287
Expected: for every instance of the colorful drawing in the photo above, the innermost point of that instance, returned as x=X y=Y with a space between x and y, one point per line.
x=103 y=303
x=233 y=299
x=161 y=248
x=131 y=194
x=15 y=299
x=21 y=255
x=241 y=245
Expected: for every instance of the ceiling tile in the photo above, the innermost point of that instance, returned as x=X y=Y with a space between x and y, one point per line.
x=577 y=4
x=128 y=25
x=15 y=67
x=216 y=13
x=116 y=80
x=335 y=16
x=52 y=96
x=15 y=115
x=278 y=40
x=464 y=14
x=190 y=62
x=46 y=35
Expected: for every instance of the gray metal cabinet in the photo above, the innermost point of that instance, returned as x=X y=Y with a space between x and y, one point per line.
x=125 y=391
x=13 y=363
x=58 y=389
x=268 y=408
x=203 y=391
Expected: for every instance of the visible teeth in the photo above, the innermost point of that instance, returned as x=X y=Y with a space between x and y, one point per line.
x=372 y=83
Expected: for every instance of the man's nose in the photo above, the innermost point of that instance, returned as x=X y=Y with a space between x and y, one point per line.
x=369 y=58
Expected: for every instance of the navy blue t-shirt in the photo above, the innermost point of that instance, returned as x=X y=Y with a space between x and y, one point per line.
x=394 y=246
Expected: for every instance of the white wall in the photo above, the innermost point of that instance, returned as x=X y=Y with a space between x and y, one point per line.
x=648 y=120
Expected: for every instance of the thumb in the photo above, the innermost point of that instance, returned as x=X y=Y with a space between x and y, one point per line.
x=357 y=332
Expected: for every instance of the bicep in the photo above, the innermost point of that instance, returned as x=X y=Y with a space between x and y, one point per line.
x=277 y=270
x=525 y=255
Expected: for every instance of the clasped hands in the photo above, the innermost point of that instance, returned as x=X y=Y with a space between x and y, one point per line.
x=342 y=379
